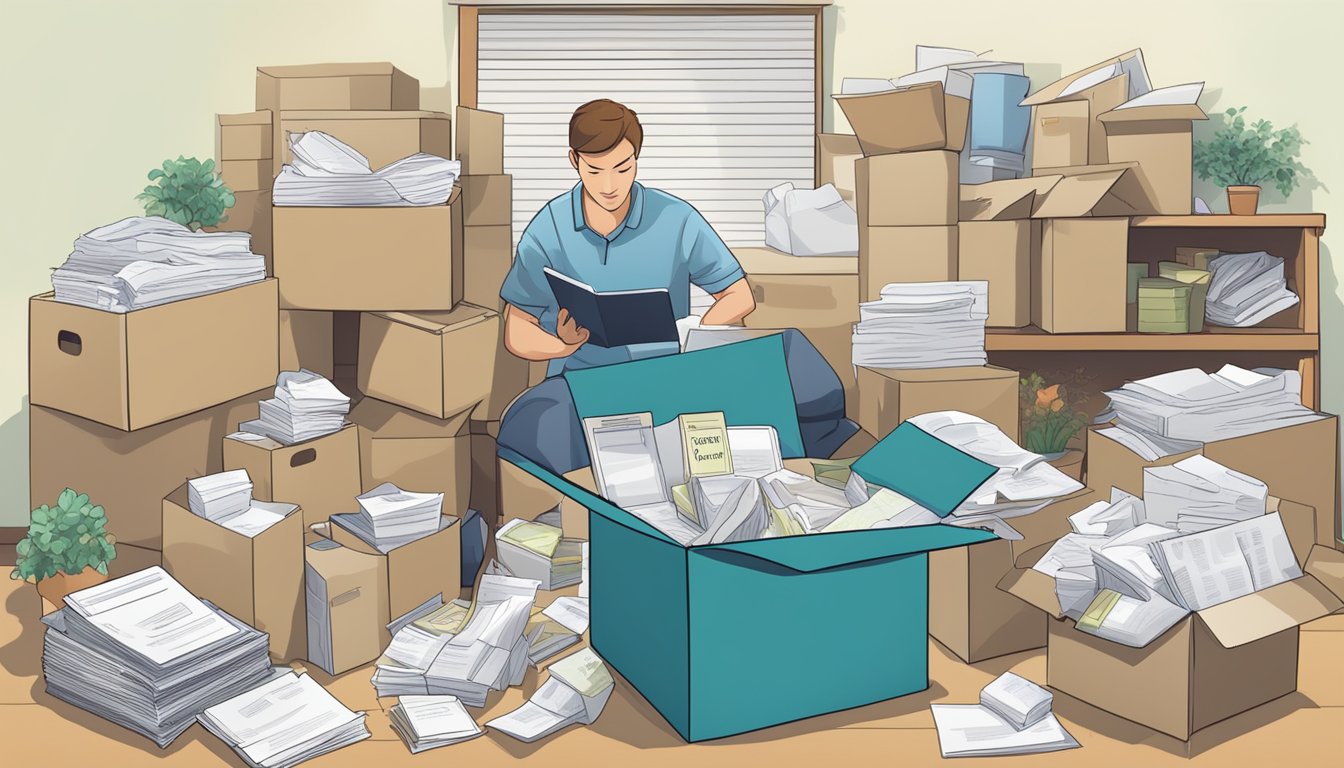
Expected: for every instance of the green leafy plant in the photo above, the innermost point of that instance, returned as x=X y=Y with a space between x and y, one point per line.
x=1241 y=154
x=1048 y=423
x=188 y=192
x=68 y=537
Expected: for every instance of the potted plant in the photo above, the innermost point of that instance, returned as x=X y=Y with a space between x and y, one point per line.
x=188 y=192
x=1048 y=423
x=1241 y=157
x=66 y=549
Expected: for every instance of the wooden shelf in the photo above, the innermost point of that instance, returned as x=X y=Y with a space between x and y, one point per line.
x=1260 y=221
x=1032 y=339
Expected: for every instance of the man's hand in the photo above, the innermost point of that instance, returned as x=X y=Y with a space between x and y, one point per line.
x=570 y=332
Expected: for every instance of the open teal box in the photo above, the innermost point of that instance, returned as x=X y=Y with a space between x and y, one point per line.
x=728 y=638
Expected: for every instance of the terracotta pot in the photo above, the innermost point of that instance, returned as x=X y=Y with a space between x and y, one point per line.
x=1242 y=201
x=55 y=588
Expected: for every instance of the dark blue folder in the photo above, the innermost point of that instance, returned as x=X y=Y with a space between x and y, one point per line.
x=616 y=318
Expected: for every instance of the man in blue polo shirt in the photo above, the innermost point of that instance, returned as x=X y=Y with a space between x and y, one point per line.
x=614 y=234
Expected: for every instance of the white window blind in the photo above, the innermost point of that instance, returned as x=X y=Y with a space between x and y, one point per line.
x=727 y=103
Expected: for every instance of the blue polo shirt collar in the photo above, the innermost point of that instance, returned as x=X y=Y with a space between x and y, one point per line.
x=632 y=217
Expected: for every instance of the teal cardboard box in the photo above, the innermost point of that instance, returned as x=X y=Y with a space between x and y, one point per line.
x=728 y=638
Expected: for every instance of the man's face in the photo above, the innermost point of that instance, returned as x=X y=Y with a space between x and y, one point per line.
x=607 y=176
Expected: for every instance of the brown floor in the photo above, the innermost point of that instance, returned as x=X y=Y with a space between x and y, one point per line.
x=1303 y=726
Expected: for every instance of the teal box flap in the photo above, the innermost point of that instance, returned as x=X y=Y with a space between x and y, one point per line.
x=924 y=469
x=820 y=551
x=748 y=381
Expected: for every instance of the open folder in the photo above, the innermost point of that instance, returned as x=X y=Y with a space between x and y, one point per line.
x=616 y=318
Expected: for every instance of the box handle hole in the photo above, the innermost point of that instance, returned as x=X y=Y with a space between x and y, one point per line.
x=306 y=456
x=69 y=343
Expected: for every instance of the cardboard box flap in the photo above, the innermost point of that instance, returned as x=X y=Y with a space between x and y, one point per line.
x=924 y=469
x=1326 y=565
x=362 y=114
x=376 y=416
x=1055 y=91
x=1269 y=611
x=1003 y=200
x=768 y=261
x=1299 y=522
x=260 y=117
x=823 y=551
x=1031 y=586
x=1154 y=113
x=1092 y=190
x=330 y=70
x=462 y=316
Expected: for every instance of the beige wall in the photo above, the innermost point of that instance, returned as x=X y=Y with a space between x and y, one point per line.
x=98 y=93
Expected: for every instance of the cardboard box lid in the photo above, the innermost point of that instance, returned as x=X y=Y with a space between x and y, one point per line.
x=839 y=143
x=364 y=114
x=440 y=323
x=260 y=117
x=1003 y=200
x=350 y=69
x=1093 y=190
x=876 y=117
x=963 y=373
x=768 y=261
x=1053 y=91
x=1154 y=113
x=387 y=420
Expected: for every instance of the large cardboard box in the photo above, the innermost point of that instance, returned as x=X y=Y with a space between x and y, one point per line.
x=909 y=189
x=349 y=589
x=129 y=473
x=1092 y=190
x=487 y=201
x=382 y=136
x=508 y=380
x=1059 y=134
x=307 y=341
x=416 y=571
x=1079 y=276
x=1213 y=664
x=257 y=580
x=1067 y=128
x=245 y=136
x=357 y=86
x=438 y=363
x=251 y=212
x=480 y=141
x=1001 y=253
x=320 y=475
x=968 y=613
x=487 y=257
x=135 y=369
x=414 y=451
x=889 y=396
x=1158 y=138
x=836 y=155
x=907 y=119
x=1301 y=460
x=370 y=259
x=246 y=175
x=905 y=255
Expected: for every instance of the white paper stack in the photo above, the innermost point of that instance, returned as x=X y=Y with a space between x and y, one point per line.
x=146 y=654
x=401 y=668
x=923 y=325
x=1012 y=718
x=576 y=692
x=1197 y=494
x=327 y=172
x=428 y=722
x=1246 y=289
x=397 y=517
x=810 y=222
x=1212 y=567
x=284 y=722
x=221 y=495
x=144 y=261
x=306 y=406
x=533 y=550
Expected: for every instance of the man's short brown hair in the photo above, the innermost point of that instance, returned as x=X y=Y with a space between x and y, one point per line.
x=599 y=126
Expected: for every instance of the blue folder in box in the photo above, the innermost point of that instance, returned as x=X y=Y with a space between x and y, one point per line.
x=696 y=630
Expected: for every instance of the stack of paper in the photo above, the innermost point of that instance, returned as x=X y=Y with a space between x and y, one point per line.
x=1198 y=280
x=546 y=637
x=1178 y=411
x=540 y=552
x=1212 y=567
x=1246 y=289
x=306 y=406
x=401 y=668
x=395 y=517
x=221 y=495
x=923 y=325
x=1197 y=494
x=427 y=722
x=810 y=222
x=1012 y=718
x=327 y=172
x=284 y=722
x=146 y=654
x=144 y=261
x=576 y=692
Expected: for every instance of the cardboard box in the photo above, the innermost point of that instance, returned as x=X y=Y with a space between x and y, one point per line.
x=836 y=155
x=905 y=255
x=909 y=189
x=382 y=136
x=320 y=475
x=135 y=369
x=438 y=363
x=1059 y=134
x=251 y=212
x=480 y=142
x=1158 y=138
x=361 y=86
x=508 y=380
x=129 y=473
x=1213 y=664
x=889 y=396
x=968 y=613
x=246 y=175
x=1301 y=460
x=307 y=341
x=352 y=588
x=416 y=571
x=245 y=136
x=487 y=201
x=1093 y=190
x=1001 y=252
x=257 y=580
x=1004 y=200
x=487 y=258
x=909 y=119
x=1067 y=118
x=1079 y=276
x=414 y=451
x=370 y=259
